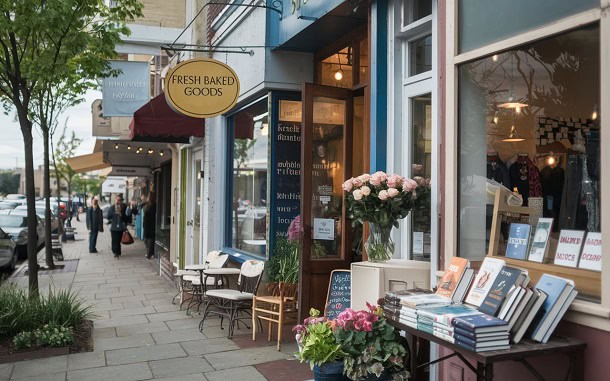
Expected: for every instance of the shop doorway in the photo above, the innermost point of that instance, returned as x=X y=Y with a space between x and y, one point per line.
x=193 y=208
x=328 y=157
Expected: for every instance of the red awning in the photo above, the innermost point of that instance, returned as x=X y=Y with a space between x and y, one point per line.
x=157 y=122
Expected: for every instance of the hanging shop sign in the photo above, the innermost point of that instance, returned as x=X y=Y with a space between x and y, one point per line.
x=128 y=91
x=201 y=88
x=130 y=171
x=102 y=126
x=114 y=185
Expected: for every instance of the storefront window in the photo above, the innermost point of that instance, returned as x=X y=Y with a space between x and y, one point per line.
x=249 y=179
x=337 y=69
x=529 y=123
x=420 y=55
x=483 y=22
x=421 y=122
x=414 y=10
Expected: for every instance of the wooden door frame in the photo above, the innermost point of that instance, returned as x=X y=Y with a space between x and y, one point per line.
x=307 y=266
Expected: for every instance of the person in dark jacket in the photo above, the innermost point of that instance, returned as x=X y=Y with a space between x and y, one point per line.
x=149 y=225
x=95 y=224
x=118 y=219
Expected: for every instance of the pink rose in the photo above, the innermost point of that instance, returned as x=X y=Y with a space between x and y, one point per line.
x=375 y=180
x=364 y=177
x=357 y=195
x=357 y=182
x=365 y=190
x=419 y=180
x=393 y=192
x=382 y=175
x=383 y=195
x=348 y=185
x=393 y=181
x=408 y=185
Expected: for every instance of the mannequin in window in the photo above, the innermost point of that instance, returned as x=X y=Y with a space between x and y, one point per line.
x=552 y=179
x=525 y=176
x=496 y=169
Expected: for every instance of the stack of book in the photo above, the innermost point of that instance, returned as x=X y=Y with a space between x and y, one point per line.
x=437 y=320
x=391 y=303
x=411 y=304
x=560 y=294
x=481 y=333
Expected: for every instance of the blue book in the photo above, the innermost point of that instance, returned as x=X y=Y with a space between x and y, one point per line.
x=506 y=279
x=558 y=290
x=518 y=240
x=480 y=336
x=453 y=309
x=480 y=323
x=484 y=348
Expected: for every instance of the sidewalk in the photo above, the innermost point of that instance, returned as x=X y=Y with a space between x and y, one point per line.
x=140 y=335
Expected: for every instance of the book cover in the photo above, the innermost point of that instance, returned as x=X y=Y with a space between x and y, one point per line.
x=591 y=257
x=443 y=335
x=442 y=327
x=557 y=290
x=474 y=343
x=510 y=308
x=490 y=336
x=416 y=301
x=540 y=241
x=525 y=300
x=480 y=323
x=463 y=286
x=518 y=239
x=490 y=268
x=450 y=279
x=568 y=248
x=506 y=279
x=562 y=312
x=435 y=313
x=523 y=325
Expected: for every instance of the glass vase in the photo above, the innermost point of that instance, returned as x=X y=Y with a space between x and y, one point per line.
x=379 y=246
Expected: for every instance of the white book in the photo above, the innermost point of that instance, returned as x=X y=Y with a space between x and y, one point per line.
x=568 y=249
x=463 y=286
x=490 y=268
x=562 y=312
x=591 y=257
x=520 y=308
x=540 y=242
x=511 y=310
x=530 y=315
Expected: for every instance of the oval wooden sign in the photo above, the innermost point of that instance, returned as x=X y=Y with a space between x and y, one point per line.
x=201 y=88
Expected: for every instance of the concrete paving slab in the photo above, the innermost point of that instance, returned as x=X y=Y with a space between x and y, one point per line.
x=246 y=373
x=207 y=346
x=44 y=377
x=177 y=336
x=190 y=377
x=179 y=366
x=132 y=312
x=129 y=372
x=150 y=353
x=167 y=316
x=141 y=340
x=121 y=322
x=5 y=371
x=243 y=357
x=86 y=360
x=38 y=367
x=130 y=330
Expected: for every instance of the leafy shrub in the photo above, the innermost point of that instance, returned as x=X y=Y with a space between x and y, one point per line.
x=50 y=335
x=283 y=266
x=18 y=313
x=316 y=340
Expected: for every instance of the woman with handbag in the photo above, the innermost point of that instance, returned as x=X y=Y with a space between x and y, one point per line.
x=118 y=219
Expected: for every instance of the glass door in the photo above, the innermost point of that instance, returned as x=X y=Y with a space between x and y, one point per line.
x=326 y=161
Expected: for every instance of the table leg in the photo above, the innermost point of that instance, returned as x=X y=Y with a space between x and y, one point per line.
x=578 y=366
x=485 y=372
x=412 y=341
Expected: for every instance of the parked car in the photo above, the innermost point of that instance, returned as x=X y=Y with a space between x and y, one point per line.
x=17 y=227
x=15 y=197
x=22 y=210
x=8 y=252
x=8 y=205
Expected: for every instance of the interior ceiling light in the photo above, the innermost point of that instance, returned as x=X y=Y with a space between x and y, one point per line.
x=513 y=105
x=339 y=73
x=161 y=153
x=150 y=151
x=116 y=146
x=512 y=102
x=494 y=58
x=129 y=147
x=513 y=137
x=496 y=118
x=595 y=113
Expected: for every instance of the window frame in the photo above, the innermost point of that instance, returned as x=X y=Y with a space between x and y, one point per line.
x=582 y=312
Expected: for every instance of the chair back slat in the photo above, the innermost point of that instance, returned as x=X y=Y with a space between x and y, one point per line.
x=250 y=276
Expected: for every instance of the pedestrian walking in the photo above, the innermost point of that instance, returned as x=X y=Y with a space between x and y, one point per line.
x=149 y=225
x=118 y=219
x=95 y=224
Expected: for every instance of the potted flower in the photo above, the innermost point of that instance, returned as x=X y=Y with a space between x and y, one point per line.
x=373 y=348
x=381 y=200
x=318 y=346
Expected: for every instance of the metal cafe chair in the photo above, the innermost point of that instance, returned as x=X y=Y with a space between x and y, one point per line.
x=183 y=285
x=233 y=304
x=198 y=283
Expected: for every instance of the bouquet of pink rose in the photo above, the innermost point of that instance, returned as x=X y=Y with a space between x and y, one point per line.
x=383 y=199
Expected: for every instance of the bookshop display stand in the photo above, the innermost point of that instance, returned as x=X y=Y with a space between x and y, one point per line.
x=586 y=281
x=574 y=349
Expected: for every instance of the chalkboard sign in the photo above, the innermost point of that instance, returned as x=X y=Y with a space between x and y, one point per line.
x=339 y=293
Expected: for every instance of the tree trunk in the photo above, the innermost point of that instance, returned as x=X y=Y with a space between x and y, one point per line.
x=32 y=245
x=48 y=245
x=60 y=228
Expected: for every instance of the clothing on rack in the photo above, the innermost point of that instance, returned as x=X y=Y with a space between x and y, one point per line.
x=525 y=176
x=497 y=171
x=573 y=213
x=552 y=180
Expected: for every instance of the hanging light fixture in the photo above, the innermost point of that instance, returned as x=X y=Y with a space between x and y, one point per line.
x=150 y=151
x=339 y=73
x=512 y=103
x=161 y=153
x=128 y=147
x=116 y=145
x=595 y=113
x=495 y=119
x=513 y=137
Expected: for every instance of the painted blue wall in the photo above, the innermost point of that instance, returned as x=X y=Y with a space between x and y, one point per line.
x=290 y=25
x=379 y=85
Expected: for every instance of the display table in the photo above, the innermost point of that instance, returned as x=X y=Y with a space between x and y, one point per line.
x=573 y=348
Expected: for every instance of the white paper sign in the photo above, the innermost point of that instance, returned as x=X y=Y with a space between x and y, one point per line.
x=324 y=229
x=591 y=257
x=418 y=242
x=568 y=249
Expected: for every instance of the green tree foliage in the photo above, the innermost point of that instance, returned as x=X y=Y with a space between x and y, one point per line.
x=9 y=182
x=44 y=44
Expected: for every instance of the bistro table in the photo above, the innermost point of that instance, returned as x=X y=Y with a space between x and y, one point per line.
x=222 y=273
x=573 y=348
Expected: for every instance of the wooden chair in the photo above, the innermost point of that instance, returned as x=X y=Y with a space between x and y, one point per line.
x=280 y=308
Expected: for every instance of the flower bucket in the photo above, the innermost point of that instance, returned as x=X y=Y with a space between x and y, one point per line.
x=332 y=371
x=379 y=246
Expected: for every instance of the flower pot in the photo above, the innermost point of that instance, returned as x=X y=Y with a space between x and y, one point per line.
x=332 y=371
x=385 y=376
x=379 y=246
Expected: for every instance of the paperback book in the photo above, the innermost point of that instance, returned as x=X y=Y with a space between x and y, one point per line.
x=568 y=249
x=540 y=242
x=558 y=290
x=518 y=239
x=505 y=281
x=481 y=323
x=452 y=276
x=490 y=268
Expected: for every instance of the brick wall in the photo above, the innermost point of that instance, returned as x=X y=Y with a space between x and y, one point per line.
x=169 y=14
x=213 y=11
